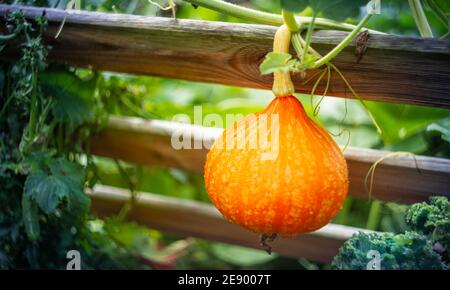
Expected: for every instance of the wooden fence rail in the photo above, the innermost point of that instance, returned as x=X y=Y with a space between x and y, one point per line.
x=394 y=69
x=403 y=179
x=197 y=219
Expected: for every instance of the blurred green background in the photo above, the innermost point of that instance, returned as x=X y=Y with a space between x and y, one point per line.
x=415 y=129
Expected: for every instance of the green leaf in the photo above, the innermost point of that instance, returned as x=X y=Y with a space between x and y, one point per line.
x=47 y=190
x=73 y=97
x=54 y=180
x=69 y=82
x=441 y=9
x=276 y=61
x=398 y=122
x=37 y=160
x=445 y=132
x=241 y=256
x=72 y=173
x=79 y=201
x=415 y=144
x=327 y=8
x=30 y=217
x=72 y=109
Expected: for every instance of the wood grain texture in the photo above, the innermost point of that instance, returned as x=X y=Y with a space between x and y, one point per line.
x=403 y=179
x=197 y=219
x=394 y=69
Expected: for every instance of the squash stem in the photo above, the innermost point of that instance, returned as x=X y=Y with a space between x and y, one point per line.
x=374 y=215
x=290 y=21
x=282 y=83
x=337 y=49
x=264 y=17
x=420 y=18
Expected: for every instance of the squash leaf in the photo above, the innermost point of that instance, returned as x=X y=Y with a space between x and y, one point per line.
x=398 y=122
x=61 y=181
x=73 y=97
x=46 y=190
x=276 y=61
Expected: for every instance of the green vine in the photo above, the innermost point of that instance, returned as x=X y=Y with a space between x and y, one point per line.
x=264 y=17
x=420 y=18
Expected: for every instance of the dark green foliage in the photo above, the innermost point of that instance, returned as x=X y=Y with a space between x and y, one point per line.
x=44 y=211
x=59 y=181
x=328 y=8
x=404 y=251
x=433 y=220
x=72 y=98
x=412 y=250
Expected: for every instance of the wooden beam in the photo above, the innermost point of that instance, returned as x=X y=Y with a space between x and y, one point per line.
x=403 y=179
x=197 y=219
x=394 y=69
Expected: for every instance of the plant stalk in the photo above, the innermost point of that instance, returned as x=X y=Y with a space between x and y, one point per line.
x=308 y=39
x=264 y=17
x=344 y=213
x=338 y=48
x=289 y=20
x=420 y=18
x=33 y=108
x=374 y=215
x=282 y=83
x=7 y=37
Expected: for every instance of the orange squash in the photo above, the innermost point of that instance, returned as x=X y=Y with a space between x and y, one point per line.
x=297 y=188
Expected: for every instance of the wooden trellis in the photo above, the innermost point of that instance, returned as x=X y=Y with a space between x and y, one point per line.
x=394 y=69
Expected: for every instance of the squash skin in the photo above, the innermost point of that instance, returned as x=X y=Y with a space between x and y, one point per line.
x=299 y=190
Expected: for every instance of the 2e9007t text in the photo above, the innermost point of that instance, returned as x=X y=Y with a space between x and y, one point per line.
x=237 y=279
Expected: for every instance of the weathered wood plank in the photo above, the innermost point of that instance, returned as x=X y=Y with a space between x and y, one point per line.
x=394 y=69
x=196 y=219
x=396 y=179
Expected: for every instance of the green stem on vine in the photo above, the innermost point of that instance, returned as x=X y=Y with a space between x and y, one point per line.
x=308 y=39
x=299 y=43
x=132 y=187
x=289 y=20
x=420 y=18
x=51 y=135
x=374 y=215
x=298 y=47
x=6 y=37
x=264 y=17
x=337 y=49
x=33 y=108
x=9 y=98
x=344 y=213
